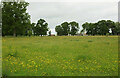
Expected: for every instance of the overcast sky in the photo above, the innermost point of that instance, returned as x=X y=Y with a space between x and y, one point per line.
x=56 y=12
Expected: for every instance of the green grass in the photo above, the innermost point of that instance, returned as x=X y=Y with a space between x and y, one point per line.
x=60 y=56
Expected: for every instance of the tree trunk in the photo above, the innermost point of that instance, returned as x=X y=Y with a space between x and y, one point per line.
x=14 y=34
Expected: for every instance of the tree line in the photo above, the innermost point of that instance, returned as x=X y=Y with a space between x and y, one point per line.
x=16 y=21
x=102 y=27
x=67 y=28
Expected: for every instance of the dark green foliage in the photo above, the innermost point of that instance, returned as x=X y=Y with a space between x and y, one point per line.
x=63 y=29
x=74 y=28
x=101 y=28
x=117 y=28
x=59 y=30
x=49 y=33
x=15 y=20
x=41 y=27
x=67 y=28
x=33 y=28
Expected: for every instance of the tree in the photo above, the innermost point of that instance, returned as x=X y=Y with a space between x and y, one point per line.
x=37 y=30
x=117 y=24
x=103 y=27
x=15 y=20
x=29 y=33
x=92 y=29
x=89 y=29
x=41 y=27
x=66 y=28
x=100 y=28
x=33 y=28
x=112 y=26
x=50 y=33
x=74 y=28
x=59 y=30
x=84 y=26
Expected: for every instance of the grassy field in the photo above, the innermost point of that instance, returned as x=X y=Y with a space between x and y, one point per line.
x=60 y=56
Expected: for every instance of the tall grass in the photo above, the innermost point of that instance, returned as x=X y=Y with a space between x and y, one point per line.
x=60 y=56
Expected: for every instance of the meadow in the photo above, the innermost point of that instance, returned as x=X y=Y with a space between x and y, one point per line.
x=60 y=56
